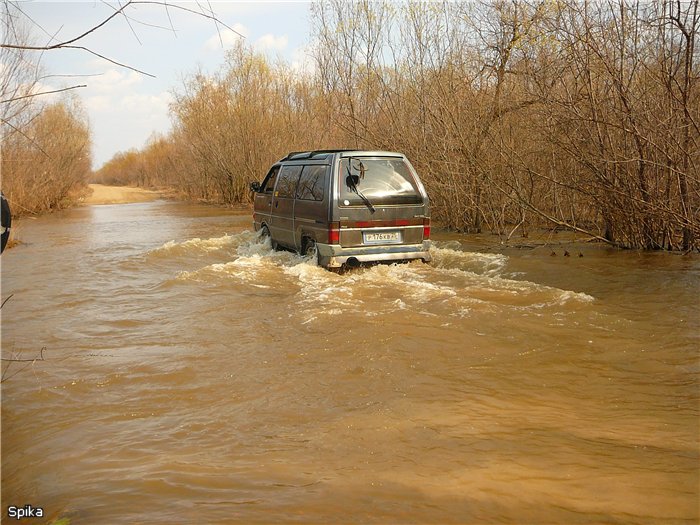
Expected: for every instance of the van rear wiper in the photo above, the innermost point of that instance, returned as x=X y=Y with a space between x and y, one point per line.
x=352 y=180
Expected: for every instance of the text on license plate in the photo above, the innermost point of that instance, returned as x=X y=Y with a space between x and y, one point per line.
x=381 y=237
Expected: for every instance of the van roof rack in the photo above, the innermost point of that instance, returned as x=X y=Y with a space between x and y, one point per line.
x=294 y=155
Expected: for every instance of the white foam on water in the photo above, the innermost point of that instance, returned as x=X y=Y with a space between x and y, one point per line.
x=462 y=312
x=196 y=244
x=410 y=279
x=485 y=289
x=451 y=255
x=456 y=283
x=321 y=292
x=568 y=295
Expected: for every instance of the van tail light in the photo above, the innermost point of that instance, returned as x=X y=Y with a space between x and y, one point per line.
x=334 y=233
x=426 y=228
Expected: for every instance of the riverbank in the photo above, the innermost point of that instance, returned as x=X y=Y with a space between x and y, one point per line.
x=101 y=194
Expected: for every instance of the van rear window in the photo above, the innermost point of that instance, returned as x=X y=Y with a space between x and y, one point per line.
x=379 y=180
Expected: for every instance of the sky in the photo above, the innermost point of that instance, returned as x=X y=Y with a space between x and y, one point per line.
x=126 y=108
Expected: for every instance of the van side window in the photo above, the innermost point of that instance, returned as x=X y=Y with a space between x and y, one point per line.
x=312 y=183
x=287 y=183
x=269 y=183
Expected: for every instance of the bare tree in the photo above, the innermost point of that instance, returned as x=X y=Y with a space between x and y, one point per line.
x=42 y=165
x=14 y=14
x=21 y=73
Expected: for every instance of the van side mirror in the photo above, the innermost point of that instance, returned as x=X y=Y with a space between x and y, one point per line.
x=352 y=180
x=255 y=186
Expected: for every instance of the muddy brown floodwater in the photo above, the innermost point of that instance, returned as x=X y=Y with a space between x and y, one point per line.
x=192 y=375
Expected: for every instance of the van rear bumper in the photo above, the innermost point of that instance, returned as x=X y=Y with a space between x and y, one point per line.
x=335 y=256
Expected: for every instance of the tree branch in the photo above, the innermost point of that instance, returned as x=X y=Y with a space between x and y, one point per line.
x=42 y=93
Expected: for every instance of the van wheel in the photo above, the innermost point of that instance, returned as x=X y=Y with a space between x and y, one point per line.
x=265 y=234
x=309 y=249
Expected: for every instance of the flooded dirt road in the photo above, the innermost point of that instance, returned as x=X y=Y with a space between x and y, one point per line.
x=193 y=375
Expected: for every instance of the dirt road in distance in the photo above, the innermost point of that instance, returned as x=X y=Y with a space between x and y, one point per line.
x=102 y=194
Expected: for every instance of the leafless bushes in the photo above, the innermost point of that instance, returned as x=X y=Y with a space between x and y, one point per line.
x=153 y=166
x=228 y=130
x=581 y=115
x=623 y=113
x=45 y=149
x=47 y=161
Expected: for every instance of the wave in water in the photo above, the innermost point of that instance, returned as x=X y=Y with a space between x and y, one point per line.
x=457 y=282
x=203 y=246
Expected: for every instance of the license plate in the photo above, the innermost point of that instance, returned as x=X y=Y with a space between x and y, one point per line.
x=381 y=237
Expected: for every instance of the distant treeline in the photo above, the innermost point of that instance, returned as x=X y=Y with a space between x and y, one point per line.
x=577 y=114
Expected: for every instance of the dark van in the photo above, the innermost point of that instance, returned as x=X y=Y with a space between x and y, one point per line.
x=349 y=207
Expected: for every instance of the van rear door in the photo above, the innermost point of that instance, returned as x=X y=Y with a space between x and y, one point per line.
x=311 y=207
x=381 y=202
